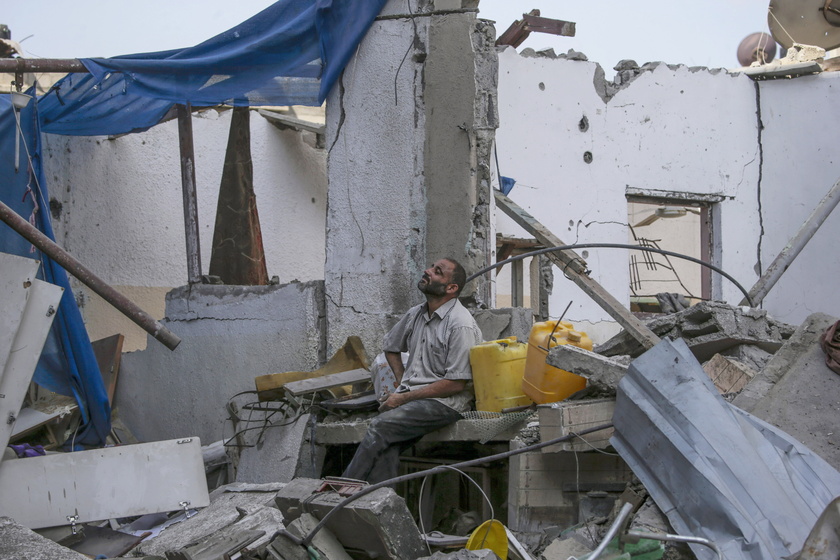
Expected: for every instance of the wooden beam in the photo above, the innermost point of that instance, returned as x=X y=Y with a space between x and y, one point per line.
x=185 y=137
x=574 y=267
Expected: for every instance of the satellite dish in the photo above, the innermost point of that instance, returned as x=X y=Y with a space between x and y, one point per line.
x=759 y=47
x=807 y=22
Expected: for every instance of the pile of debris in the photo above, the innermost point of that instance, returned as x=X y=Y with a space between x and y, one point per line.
x=684 y=450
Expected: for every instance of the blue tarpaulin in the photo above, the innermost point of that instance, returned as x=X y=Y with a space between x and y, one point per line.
x=291 y=53
x=67 y=365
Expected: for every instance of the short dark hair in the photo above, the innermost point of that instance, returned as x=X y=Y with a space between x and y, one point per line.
x=459 y=275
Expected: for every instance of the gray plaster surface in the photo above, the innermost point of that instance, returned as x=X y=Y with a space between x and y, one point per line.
x=506 y=322
x=804 y=401
x=280 y=454
x=19 y=543
x=406 y=167
x=243 y=506
x=230 y=335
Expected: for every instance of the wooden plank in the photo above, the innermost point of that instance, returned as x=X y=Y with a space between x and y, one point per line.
x=304 y=386
x=575 y=268
x=350 y=356
x=562 y=418
x=108 y=352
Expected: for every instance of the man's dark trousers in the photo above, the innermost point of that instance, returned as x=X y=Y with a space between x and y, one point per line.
x=391 y=433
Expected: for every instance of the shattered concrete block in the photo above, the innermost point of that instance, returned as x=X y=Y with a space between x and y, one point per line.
x=20 y=543
x=708 y=328
x=728 y=375
x=228 y=505
x=562 y=549
x=798 y=393
x=749 y=354
x=283 y=453
x=602 y=373
x=379 y=523
x=324 y=541
x=496 y=324
x=563 y=418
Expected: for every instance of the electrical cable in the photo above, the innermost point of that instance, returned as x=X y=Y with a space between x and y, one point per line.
x=614 y=246
x=306 y=541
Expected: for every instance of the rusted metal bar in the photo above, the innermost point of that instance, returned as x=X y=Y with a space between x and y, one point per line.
x=13 y=65
x=785 y=258
x=88 y=278
x=185 y=138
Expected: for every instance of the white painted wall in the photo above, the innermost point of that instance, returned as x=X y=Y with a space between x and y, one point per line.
x=674 y=129
x=123 y=212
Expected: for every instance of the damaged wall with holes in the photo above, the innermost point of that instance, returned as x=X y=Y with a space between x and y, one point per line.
x=755 y=154
x=117 y=206
x=410 y=125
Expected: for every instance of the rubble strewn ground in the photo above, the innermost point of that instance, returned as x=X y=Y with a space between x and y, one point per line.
x=561 y=500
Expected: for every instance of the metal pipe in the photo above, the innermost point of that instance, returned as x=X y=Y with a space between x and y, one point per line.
x=794 y=247
x=434 y=470
x=15 y=65
x=636 y=535
x=620 y=519
x=613 y=246
x=88 y=278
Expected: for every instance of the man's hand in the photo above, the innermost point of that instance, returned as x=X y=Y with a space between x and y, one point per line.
x=394 y=400
x=438 y=389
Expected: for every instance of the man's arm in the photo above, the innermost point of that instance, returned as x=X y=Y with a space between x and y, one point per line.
x=438 y=389
x=394 y=360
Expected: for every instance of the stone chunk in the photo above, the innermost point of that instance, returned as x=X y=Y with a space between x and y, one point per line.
x=324 y=541
x=378 y=524
x=19 y=543
x=562 y=549
x=602 y=373
x=798 y=393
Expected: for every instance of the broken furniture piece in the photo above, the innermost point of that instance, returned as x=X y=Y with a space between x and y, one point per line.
x=29 y=307
x=351 y=356
x=106 y=483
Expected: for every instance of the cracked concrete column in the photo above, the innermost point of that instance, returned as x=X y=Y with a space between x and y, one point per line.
x=410 y=127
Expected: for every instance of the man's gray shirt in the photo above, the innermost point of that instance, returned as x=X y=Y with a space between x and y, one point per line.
x=438 y=347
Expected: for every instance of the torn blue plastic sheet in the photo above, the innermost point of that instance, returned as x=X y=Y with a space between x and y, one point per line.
x=716 y=471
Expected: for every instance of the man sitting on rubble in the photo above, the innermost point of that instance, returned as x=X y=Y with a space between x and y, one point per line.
x=435 y=384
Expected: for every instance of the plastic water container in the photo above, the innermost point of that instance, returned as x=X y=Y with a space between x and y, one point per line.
x=498 y=367
x=545 y=383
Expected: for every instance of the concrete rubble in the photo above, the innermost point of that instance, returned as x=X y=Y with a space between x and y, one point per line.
x=560 y=500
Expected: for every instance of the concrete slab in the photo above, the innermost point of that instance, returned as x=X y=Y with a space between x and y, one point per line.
x=805 y=400
x=708 y=328
x=601 y=372
x=379 y=523
x=19 y=543
x=464 y=554
x=281 y=454
x=228 y=505
x=352 y=431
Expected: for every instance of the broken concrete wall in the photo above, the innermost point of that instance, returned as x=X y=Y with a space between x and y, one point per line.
x=118 y=208
x=229 y=336
x=409 y=127
x=756 y=154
